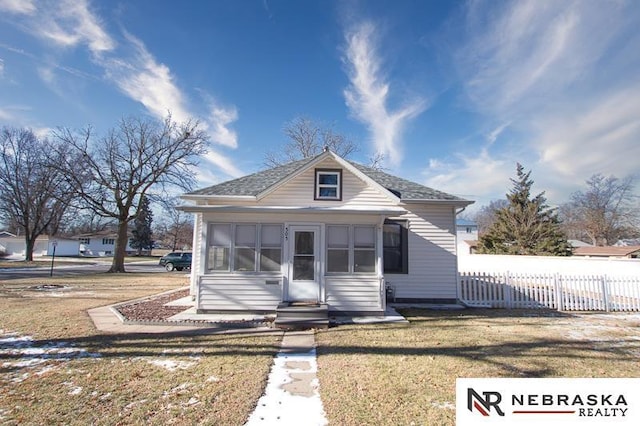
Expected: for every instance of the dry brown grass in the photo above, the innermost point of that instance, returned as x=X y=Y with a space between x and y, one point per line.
x=72 y=374
x=391 y=375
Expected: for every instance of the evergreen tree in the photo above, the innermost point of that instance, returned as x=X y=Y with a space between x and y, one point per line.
x=526 y=225
x=142 y=234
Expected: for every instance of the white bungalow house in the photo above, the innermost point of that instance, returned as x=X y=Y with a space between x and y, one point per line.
x=322 y=230
x=102 y=243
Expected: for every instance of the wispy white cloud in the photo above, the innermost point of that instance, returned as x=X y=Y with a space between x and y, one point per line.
x=5 y=114
x=223 y=163
x=471 y=176
x=368 y=94
x=220 y=119
x=66 y=23
x=129 y=65
x=565 y=78
x=18 y=6
x=143 y=79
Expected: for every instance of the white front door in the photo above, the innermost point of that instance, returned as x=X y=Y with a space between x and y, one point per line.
x=304 y=263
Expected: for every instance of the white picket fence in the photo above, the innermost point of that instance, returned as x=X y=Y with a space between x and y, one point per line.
x=549 y=291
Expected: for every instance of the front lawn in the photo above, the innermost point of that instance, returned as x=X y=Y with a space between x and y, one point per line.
x=55 y=367
x=391 y=374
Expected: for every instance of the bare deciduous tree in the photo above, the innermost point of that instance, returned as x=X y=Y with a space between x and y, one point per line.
x=137 y=156
x=34 y=195
x=604 y=212
x=176 y=228
x=306 y=139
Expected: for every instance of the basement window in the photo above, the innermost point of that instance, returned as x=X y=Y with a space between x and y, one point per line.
x=328 y=184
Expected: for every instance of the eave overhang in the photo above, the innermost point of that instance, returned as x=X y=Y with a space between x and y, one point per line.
x=287 y=209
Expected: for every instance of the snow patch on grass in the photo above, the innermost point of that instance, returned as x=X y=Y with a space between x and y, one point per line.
x=171 y=365
x=23 y=352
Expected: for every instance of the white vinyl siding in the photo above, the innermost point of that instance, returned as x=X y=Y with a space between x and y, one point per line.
x=300 y=191
x=353 y=293
x=238 y=293
x=432 y=254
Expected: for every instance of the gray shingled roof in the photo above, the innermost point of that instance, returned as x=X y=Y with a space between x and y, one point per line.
x=256 y=183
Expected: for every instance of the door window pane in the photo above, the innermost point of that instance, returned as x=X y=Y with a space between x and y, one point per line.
x=303 y=242
x=303 y=268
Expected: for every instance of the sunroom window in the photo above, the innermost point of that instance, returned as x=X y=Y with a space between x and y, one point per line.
x=364 y=249
x=244 y=258
x=270 y=248
x=328 y=185
x=337 y=249
x=244 y=247
x=219 y=247
x=351 y=249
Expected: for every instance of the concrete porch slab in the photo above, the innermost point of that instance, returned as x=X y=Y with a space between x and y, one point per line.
x=390 y=316
x=190 y=314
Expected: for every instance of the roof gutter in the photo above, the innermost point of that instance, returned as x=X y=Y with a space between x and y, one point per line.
x=287 y=209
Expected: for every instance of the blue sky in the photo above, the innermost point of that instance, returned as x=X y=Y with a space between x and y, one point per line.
x=452 y=93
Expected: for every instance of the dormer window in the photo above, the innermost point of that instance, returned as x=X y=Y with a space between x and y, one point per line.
x=328 y=184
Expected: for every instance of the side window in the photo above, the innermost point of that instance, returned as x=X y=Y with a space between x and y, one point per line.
x=219 y=247
x=395 y=247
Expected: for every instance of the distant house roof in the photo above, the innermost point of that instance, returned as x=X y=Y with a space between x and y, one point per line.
x=257 y=183
x=578 y=243
x=107 y=233
x=6 y=234
x=465 y=222
x=610 y=251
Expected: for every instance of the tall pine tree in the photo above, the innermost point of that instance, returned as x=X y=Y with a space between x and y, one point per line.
x=142 y=235
x=526 y=226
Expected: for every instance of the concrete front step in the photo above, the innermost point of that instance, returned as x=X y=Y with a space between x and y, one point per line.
x=302 y=316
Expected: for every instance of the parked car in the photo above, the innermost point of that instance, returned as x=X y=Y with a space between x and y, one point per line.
x=176 y=260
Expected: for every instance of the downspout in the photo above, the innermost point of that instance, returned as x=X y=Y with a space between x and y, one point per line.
x=456 y=245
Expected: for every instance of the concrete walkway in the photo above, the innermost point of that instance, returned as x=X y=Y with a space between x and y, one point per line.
x=292 y=394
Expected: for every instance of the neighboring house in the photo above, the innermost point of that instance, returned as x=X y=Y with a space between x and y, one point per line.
x=466 y=236
x=100 y=243
x=63 y=246
x=16 y=246
x=5 y=234
x=630 y=252
x=322 y=230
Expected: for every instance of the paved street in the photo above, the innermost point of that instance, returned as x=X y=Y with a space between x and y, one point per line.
x=61 y=270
